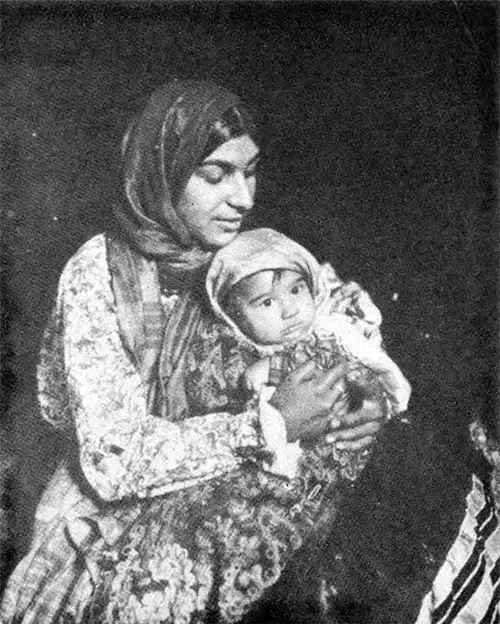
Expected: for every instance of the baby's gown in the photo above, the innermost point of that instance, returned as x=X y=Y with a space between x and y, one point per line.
x=209 y=552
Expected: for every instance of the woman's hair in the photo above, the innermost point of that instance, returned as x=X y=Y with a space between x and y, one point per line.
x=163 y=146
x=234 y=122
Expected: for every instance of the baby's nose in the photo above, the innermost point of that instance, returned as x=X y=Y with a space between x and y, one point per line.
x=289 y=309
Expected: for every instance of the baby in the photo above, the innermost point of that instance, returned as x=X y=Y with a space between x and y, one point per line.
x=282 y=305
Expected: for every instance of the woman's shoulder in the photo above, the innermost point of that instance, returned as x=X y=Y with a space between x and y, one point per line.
x=93 y=248
x=88 y=263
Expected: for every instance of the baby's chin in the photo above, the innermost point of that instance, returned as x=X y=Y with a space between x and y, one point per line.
x=285 y=338
x=294 y=335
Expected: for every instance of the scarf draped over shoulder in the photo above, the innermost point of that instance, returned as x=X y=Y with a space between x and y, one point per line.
x=152 y=247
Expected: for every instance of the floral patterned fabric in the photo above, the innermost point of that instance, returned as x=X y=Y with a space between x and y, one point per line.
x=218 y=361
x=209 y=552
x=179 y=523
x=125 y=454
x=85 y=371
x=206 y=552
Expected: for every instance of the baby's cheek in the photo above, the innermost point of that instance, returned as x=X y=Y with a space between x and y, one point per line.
x=310 y=313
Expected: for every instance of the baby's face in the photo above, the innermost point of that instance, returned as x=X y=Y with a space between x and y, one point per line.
x=273 y=307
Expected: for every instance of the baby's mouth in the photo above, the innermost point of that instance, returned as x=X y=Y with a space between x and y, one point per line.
x=293 y=331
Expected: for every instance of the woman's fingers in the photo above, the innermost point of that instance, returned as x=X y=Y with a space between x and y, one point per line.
x=353 y=433
x=300 y=402
x=372 y=411
x=325 y=381
x=329 y=380
x=315 y=428
x=357 y=430
x=313 y=402
x=304 y=372
x=355 y=445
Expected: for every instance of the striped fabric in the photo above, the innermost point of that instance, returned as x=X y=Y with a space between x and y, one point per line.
x=467 y=587
x=138 y=306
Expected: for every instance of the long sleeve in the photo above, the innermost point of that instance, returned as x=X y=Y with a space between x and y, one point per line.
x=347 y=312
x=86 y=375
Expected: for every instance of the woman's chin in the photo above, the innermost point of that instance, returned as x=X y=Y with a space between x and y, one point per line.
x=220 y=239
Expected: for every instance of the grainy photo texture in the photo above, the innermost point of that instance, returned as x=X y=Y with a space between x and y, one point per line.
x=250 y=312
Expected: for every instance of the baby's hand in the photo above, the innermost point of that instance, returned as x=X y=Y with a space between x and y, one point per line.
x=257 y=375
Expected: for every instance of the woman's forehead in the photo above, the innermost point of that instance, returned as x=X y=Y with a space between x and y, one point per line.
x=239 y=151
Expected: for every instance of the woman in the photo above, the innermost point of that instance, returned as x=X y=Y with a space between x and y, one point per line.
x=112 y=364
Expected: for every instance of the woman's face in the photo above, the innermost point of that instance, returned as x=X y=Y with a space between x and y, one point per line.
x=220 y=193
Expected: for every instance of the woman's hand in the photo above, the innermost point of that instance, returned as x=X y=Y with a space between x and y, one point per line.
x=305 y=400
x=357 y=430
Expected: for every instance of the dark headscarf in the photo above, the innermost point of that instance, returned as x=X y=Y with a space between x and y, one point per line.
x=161 y=149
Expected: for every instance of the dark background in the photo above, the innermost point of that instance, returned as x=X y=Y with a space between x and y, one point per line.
x=379 y=132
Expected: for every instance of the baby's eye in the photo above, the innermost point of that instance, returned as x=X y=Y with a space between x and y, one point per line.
x=267 y=303
x=298 y=287
x=213 y=174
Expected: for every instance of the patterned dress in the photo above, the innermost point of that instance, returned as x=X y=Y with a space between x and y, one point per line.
x=232 y=537
x=150 y=520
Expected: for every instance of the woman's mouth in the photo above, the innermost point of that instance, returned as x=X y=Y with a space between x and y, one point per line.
x=230 y=225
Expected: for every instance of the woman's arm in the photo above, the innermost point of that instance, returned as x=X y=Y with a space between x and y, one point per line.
x=124 y=450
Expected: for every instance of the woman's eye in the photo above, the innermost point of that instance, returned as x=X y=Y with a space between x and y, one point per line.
x=213 y=174
x=251 y=171
x=267 y=303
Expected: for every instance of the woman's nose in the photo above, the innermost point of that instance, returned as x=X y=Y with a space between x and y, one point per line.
x=242 y=192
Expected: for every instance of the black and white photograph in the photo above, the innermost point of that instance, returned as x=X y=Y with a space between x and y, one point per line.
x=250 y=301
